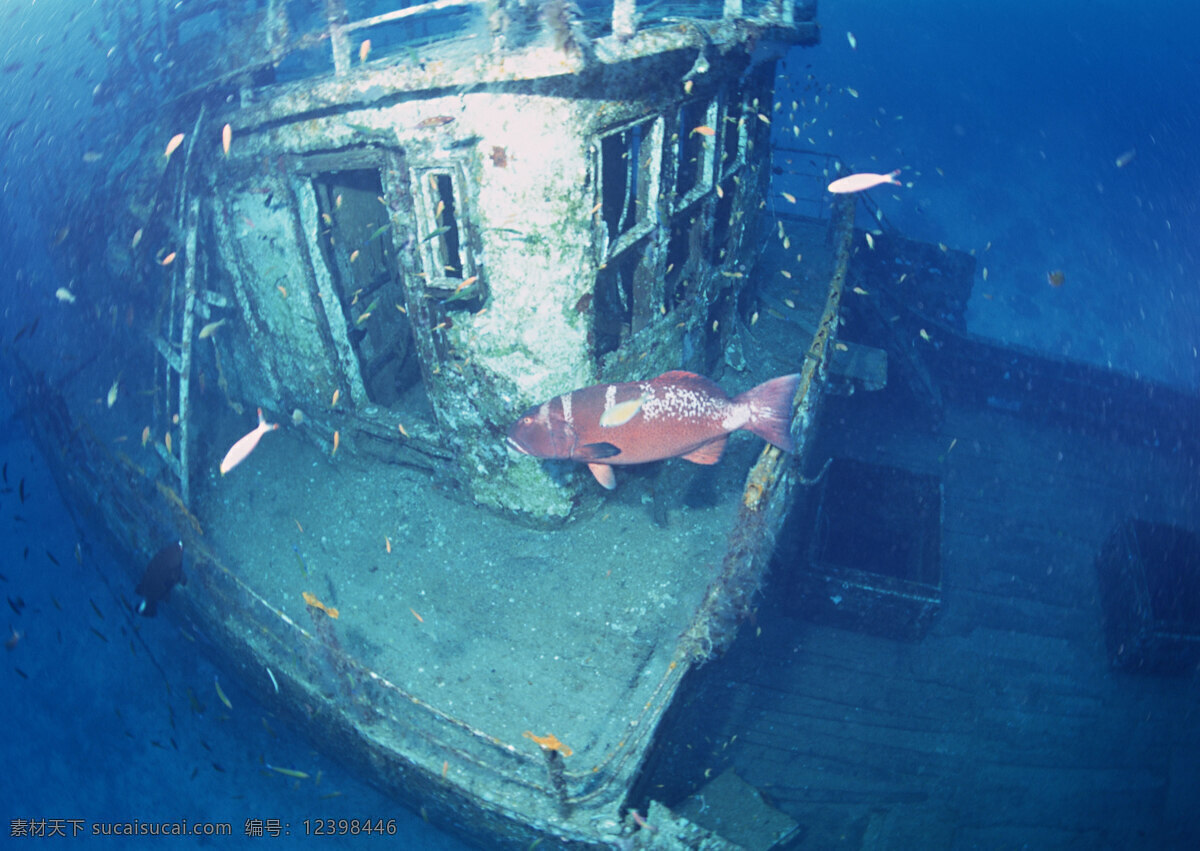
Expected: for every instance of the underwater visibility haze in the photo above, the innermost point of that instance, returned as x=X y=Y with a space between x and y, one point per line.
x=323 y=325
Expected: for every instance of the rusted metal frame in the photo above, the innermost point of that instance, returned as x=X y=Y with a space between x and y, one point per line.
x=185 y=372
x=309 y=277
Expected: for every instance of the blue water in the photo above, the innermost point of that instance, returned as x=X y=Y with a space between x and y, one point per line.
x=1024 y=107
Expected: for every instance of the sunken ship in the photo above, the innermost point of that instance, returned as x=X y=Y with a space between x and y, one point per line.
x=394 y=229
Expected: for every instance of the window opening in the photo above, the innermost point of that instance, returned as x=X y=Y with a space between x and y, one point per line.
x=694 y=150
x=617 y=311
x=628 y=170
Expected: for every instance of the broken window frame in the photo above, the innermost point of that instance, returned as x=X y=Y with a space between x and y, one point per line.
x=704 y=180
x=434 y=248
x=649 y=165
x=733 y=122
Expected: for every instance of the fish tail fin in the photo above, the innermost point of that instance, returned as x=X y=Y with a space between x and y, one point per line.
x=771 y=409
x=895 y=178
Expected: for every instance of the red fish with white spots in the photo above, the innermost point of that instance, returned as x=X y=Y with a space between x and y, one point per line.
x=678 y=414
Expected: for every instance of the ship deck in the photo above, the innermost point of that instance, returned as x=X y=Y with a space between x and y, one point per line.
x=460 y=633
x=1004 y=726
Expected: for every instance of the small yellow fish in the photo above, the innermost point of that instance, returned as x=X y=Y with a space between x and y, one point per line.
x=312 y=600
x=92 y=157
x=550 y=742
x=704 y=130
x=465 y=284
x=221 y=692
x=112 y=392
x=388 y=543
x=401 y=427
x=337 y=393
x=175 y=142
x=859 y=291
x=841 y=347
x=226 y=138
x=168 y=260
x=337 y=439
x=852 y=92
x=985 y=272
x=210 y=329
x=282 y=290
x=789 y=197
x=364 y=50
x=415 y=615
x=145 y=435
x=353 y=254
x=687 y=87
x=925 y=336
x=137 y=237
x=167 y=442
x=64 y=295
x=870 y=241
x=288 y=772
x=853 y=41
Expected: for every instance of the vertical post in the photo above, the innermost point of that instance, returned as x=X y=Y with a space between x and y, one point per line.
x=335 y=16
x=624 y=19
x=185 y=371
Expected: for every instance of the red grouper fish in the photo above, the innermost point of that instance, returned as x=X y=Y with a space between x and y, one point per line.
x=678 y=414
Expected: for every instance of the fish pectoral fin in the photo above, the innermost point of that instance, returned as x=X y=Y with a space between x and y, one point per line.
x=709 y=453
x=595 y=451
x=604 y=475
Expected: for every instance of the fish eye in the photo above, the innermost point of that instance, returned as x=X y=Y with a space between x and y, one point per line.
x=526 y=420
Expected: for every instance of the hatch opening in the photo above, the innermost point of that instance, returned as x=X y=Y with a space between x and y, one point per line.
x=1149 y=577
x=864 y=552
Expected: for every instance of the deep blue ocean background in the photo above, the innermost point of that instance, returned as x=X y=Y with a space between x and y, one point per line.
x=1008 y=119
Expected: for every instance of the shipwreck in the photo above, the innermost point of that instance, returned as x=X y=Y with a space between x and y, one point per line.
x=395 y=228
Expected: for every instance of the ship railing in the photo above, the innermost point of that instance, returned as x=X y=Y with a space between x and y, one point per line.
x=240 y=42
x=803 y=174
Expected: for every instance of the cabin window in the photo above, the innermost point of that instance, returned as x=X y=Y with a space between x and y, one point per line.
x=628 y=167
x=443 y=245
x=733 y=142
x=684 y=251
x=622 y=299
x=724 y=216
x=356 y=243
x=694 y=151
